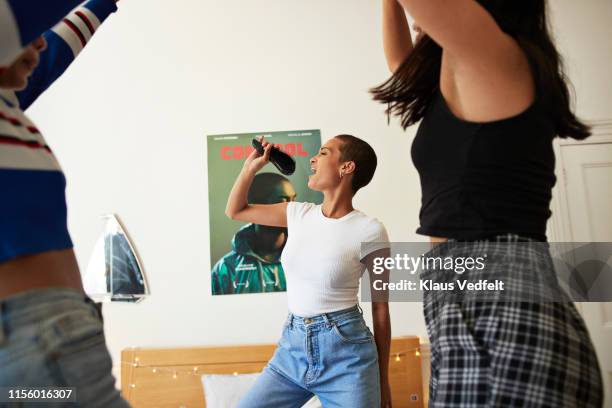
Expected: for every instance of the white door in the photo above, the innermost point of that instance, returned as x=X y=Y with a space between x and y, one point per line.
x=588 y=196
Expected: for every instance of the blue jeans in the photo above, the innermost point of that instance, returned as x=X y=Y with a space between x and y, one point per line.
x=332 y=356
x=54 y=338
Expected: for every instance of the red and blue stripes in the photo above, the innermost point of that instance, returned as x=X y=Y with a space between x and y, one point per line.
x=33 y=214
x=21 y=21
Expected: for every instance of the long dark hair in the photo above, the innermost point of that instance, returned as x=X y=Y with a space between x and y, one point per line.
x=410 y=90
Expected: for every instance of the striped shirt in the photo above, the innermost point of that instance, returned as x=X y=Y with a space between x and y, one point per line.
x=33 y=216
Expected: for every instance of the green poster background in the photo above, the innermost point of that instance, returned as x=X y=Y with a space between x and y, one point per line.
x=226 y=155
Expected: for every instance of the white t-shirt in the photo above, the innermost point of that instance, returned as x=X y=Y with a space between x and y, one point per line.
x=321 y=258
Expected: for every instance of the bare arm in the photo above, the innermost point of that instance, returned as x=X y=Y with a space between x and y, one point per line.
x=382 y=323
x=463 y=28
x=238 y=208
x=485 y=74
x=397 y=40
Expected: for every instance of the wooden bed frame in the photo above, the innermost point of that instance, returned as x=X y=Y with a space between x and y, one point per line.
x=171 y=377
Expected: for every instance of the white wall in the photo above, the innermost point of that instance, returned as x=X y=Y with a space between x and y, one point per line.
x=583 y=32
x=128 y=122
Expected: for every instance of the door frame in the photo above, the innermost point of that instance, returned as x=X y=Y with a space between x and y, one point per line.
x=559 y=227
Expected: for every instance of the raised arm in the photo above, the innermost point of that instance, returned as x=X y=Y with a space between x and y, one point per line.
x=463 y=28
x=397 y=40
x=65 y=41
x=238 y=208
x=22 y=21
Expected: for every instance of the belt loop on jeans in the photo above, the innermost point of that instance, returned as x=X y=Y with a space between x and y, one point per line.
x=97 y=307
x=360 y=309
x=328 y=321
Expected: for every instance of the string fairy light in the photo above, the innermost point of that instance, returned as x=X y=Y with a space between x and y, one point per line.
x=195 y=370
x=398 y=355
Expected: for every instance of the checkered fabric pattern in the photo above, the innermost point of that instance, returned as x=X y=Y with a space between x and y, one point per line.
x=508 y=353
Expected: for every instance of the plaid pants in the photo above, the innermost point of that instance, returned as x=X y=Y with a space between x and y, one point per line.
x=509 y=353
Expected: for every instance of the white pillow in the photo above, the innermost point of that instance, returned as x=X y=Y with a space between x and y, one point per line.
x=313 y=403
x=226 y=391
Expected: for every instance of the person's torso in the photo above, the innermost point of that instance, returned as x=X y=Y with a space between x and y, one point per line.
x=33 y=209
x=483 y=179
x=254 y=276
x=321 y=260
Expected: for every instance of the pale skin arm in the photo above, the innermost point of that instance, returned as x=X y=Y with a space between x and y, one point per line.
x=486 y=75
x=462 y=27
x=382 y=324
x=397 y=40
x=238 y=208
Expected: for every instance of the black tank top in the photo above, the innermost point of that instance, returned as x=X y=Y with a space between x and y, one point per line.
x=483 y=179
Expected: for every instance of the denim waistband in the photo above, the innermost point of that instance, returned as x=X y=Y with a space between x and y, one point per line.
x=30 y=306
x=327 y=319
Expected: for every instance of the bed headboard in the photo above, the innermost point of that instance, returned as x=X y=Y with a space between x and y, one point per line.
x=170 y=377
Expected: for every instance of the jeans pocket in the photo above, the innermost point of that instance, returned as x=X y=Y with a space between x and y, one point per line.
x=17 y=348
x=284 y=340
x=75 y=348
x=353 y=331
x=77 y=357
